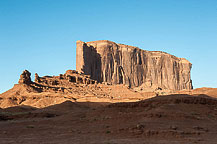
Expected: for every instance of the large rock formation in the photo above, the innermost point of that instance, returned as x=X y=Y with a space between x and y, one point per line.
x=106 y=61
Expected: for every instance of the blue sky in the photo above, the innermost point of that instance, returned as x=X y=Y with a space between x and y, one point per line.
x=40 y=35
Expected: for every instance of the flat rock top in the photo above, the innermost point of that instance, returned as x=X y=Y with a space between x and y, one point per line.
x=104 y=43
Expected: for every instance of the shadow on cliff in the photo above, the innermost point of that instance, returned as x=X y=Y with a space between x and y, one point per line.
x=93 y=63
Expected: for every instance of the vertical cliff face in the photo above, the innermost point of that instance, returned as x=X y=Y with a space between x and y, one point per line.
x=106 y=61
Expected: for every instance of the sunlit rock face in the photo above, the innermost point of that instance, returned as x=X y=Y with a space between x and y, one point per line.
x=106 y=61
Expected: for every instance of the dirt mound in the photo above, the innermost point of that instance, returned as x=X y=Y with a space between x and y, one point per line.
x=171 y=99
x=207 y=91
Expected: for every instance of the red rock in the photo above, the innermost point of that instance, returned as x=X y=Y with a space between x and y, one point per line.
x=25 y=78
x=106 y=61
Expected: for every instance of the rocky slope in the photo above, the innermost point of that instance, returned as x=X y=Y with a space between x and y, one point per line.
x=106 y=61
x=71 y=86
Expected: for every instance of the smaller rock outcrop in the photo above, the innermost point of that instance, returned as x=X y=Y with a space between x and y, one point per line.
x=62 y=83
x=64 y=80
x=25 y=78
x=36 y=78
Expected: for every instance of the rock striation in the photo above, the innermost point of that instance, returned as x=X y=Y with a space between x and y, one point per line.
x=106 y=61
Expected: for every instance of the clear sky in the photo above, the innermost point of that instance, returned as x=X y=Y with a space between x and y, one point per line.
x=40 y=35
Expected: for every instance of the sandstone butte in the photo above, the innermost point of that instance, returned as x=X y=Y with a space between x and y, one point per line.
x=112 y=63
x=105 y=72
